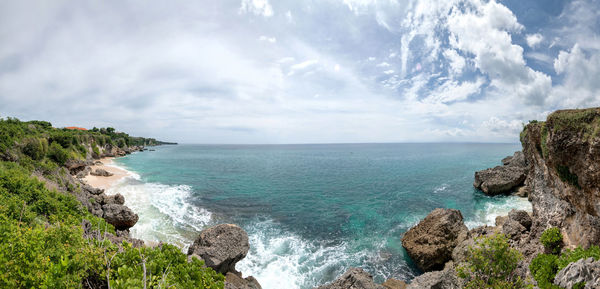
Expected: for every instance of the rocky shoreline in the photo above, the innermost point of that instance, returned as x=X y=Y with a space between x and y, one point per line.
x=558 y=170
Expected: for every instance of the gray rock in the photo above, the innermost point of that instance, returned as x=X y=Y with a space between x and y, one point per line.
x=517 y=160
x=445 y=279
x=354 y=278
x=584 y=270
x=119 y=216
x=101 y=173
x=512 y=229
x=430 y=243
x=221 y=247
x=500 y=179
x=235 y=281
x=113 y=199
x=394 y=284
x=522 y=217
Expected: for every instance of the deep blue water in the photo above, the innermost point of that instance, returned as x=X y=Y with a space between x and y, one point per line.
x=311 y=211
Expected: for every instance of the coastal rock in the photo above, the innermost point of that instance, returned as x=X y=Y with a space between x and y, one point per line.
x=446 y=279
x=113 y=199
x=394 y=284
x=522 y=217
x=354 y=278
x=430 y=243
x=75 y=166
x=564 y=177
x=119 y=216
x=512 y=229
x=500 y=179
x=83 y=173
x=517 y=160
x=584 y=270
x=101 y=173
x=234 y=281
x=221 y=247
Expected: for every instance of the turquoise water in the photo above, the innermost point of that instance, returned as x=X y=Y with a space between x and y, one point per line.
x=311 y=211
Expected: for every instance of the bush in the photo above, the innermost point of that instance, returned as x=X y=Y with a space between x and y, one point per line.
x=491 y=263
x=544 y=268
x=58 y=154
x=163 y=266
x=552 y=240
x=35 y=148
x=570 y=256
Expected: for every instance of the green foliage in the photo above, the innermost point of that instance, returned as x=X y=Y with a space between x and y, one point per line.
x=58 y=154
x=491 y=263
x=165 y=266
x=579 y=285
x=566 y=176
x=570 y=256
x=95 y=151
x=552 y=240
x=35 y=148
x=544 y=268
x=586 y=121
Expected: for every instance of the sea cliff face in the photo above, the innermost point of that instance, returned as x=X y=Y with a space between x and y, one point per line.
x=564 y=174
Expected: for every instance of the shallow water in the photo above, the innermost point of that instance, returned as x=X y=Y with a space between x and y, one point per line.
x=311 y=211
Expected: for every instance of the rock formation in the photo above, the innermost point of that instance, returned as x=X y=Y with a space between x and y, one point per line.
x=119 y=216
x=563 y=154
x=354 y=278
x=221 y=247
x=583 y=271
x=430 y=243
x=101 y=173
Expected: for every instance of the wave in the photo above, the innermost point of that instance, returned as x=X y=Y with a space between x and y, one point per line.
x=499 y=206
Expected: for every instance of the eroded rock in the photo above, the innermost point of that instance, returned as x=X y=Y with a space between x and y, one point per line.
x=119 y=216
x=500 y=179
x=430 y=243
x=584 y=270
x=354 y=278
x=221 y=247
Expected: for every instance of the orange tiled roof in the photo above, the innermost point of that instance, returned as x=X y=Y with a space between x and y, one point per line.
x=75 y=127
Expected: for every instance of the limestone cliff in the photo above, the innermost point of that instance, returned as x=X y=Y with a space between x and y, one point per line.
x=563 y=177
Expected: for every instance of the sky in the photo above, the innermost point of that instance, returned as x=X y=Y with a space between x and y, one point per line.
x=291 y=71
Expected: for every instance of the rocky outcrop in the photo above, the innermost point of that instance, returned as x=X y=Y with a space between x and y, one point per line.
x=101 y=173
x=445 y=279
x=394 y=284
x=119 y=216
x=354 y=278
x=563 y=154
x=500 y=179
x=221 y=247
x=430 y=243
x=583 y=271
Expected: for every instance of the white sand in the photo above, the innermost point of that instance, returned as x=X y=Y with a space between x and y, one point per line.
x=106 y=182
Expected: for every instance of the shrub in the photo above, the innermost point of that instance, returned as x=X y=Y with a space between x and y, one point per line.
x=544 y=268
x=57 y=153
x=570 y=256
x=491 y=263
x=566 y=176
x=552 y=240
x=35 y=148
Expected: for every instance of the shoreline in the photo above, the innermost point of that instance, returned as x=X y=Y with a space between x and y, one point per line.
x=102 y=182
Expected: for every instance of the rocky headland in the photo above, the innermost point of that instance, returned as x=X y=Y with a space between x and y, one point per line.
x=558 y=170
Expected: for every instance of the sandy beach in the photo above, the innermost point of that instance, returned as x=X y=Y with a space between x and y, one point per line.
x=105 y=182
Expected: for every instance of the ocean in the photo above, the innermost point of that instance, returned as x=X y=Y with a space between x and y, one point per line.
x=311 y=211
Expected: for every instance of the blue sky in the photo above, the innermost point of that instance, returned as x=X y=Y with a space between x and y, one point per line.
x=264 y=71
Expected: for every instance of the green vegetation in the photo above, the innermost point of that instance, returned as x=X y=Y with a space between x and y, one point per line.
x=552 y=240
x=566 y=176
x=42 y=243
x=491 y=263
x=586 y=121
x=545 y=266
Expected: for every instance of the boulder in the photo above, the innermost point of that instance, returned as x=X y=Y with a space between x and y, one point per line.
x=234 y=281
x=75 y=166
x=500 y=179
x=446 y=279
x=517 y=160
x=221 y=247
x=584 y=270
x=119 y=216
x=430 y=243
x=394 y=284
x=101 y=173
x=113 y=199
x=522 y=217
x=512 y=229
x=354 y=278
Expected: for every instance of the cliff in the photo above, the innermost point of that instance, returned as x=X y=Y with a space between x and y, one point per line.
x=563 y=177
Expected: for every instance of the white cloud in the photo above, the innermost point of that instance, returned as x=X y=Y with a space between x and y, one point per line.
x=388 y=71
x=383 y=64
x=451 y=91
x=258 y=7
x=580 y=86
x=533 y=40
x=457 y=62
x=267 y=39
x=501 y=126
